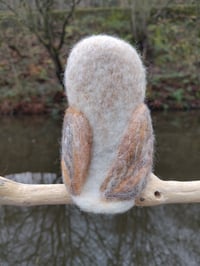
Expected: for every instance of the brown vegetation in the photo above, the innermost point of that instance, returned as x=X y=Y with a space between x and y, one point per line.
x=28 y=81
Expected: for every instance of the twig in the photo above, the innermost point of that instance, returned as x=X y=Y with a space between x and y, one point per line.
x=156 y=192
x=18 y=194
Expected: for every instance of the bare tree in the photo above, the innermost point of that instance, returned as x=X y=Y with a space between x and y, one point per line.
x=40 y=18
x=141 y=11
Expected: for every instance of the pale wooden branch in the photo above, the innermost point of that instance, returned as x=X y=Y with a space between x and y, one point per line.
x=18 y=194
x=156 y=192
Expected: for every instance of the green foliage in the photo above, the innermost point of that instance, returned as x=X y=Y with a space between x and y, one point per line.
x=178 y=95
x=172 y=61
x=112 y=21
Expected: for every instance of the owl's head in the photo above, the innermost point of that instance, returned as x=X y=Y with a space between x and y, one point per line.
x=107 y=70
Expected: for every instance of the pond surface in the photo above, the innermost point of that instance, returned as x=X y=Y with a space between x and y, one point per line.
x=63 y=235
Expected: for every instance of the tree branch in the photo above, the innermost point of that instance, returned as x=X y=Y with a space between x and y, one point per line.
x=39 y=18
x=66 y=21
x=156 y=192
x=18 y=194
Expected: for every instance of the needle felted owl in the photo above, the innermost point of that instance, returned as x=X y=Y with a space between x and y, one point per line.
x=107 y=139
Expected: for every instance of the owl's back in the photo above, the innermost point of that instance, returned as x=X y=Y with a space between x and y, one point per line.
x=105 y=79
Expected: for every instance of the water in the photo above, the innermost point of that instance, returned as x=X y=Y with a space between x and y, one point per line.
x=29 y=144
x=63 y=235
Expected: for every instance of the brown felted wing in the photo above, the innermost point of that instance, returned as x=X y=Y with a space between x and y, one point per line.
x=133 y=164
x=76 y=149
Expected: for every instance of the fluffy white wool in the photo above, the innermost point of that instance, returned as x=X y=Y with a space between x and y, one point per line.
x=105 y=79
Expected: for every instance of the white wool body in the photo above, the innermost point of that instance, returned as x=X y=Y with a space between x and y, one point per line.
x=105 y=80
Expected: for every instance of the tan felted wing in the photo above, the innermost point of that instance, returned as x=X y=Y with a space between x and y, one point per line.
x=133 y=164
x=76 y=149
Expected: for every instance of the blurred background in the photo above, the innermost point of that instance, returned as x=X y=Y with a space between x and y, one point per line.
x=35 y=40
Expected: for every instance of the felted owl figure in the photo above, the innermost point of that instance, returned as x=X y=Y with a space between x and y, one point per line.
x=107 y=138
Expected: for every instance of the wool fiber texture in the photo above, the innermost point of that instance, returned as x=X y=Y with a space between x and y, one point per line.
x=105 y=80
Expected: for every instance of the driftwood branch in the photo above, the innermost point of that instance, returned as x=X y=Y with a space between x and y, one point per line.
x=156 y=192
x=18 y=194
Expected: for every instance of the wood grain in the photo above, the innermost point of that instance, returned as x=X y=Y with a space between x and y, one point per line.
x=156 y=192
